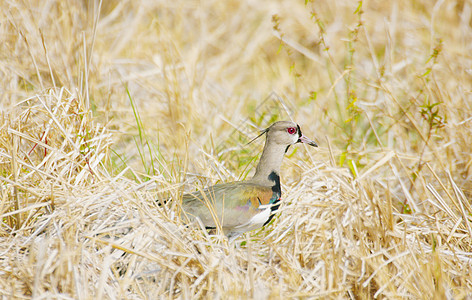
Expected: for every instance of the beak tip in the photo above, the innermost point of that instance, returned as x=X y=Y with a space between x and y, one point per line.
x=305 y=140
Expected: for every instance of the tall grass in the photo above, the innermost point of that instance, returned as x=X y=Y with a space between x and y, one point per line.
x=107 y=107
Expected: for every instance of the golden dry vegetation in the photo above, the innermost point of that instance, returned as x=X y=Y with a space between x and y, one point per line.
x=106 y=107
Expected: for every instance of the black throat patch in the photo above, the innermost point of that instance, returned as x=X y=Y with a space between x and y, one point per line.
x=276 y=194
x=276 y=179
x=286 y=149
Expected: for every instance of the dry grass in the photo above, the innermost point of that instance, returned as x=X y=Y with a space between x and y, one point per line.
x=106 y=108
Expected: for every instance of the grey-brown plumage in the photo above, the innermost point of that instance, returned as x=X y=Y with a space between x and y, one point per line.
x=242 y=206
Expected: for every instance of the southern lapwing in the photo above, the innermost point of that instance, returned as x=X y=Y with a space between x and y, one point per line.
x=243 y=206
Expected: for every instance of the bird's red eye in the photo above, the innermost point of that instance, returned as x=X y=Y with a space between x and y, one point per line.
x=291 y=130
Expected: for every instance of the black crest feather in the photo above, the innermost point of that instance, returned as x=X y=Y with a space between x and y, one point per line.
x=262 y=133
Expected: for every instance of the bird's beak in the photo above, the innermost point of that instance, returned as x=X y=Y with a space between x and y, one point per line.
x=304 y=139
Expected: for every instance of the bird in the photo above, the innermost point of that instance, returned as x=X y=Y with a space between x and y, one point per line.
x=243 y=206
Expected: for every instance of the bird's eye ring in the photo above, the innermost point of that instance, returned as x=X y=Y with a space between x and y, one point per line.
x=291 y=130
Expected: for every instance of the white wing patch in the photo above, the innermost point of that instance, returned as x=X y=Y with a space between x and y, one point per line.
x=256 y=221
x=263 y=216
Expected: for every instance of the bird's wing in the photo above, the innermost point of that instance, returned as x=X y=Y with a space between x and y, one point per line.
x=233 y=204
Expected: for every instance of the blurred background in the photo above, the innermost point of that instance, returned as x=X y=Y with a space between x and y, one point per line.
x=364 y=76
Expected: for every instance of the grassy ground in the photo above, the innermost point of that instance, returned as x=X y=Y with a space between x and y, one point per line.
x=107 y=107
